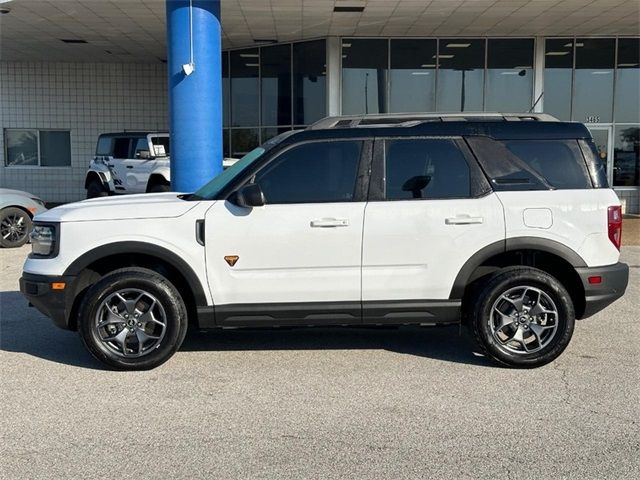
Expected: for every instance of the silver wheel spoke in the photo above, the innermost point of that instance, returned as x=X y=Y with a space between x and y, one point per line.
x=135 y=313
x=535 y=317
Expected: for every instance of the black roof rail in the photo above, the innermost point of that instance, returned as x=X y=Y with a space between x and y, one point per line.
x=412 y=119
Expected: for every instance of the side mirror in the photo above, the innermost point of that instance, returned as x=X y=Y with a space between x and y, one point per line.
x=143 y=154
x=248 y=196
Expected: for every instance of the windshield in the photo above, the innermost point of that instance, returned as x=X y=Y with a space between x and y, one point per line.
x=215 y=186
x=212 y=189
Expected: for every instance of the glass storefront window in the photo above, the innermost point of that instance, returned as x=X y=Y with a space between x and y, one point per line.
x=593 y=82
x=55 y=148
x=509 y=75
x=245 y=70
x=275 y=75
x=364 y=76
x=243 y=140
x=558 y=70
x=626 y=156
x=226 y=100
x=627 y=104
x=412 y=76
x=309 y=82
x=461 y=75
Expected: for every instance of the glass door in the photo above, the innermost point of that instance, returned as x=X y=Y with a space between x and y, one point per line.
x=602 y=138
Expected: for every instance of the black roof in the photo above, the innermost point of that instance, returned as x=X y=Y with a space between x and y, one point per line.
x=500 y=130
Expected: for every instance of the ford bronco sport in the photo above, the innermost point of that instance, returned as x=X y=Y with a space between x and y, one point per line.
x=502 y=222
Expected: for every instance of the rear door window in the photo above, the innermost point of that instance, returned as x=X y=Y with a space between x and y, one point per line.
x=559 y=162
x=121 y=147
x=425 y=169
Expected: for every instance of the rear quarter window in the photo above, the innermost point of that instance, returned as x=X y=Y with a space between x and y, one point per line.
x=559 y=162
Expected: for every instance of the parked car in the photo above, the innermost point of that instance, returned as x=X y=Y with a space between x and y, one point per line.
x=502 y=222
x=17 y=210
x=131 y=162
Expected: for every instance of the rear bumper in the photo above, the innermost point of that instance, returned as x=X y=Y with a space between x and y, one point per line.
x=614 y=281
x=55 y=304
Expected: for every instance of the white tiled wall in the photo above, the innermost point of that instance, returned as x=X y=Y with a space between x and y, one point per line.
x=85 y=98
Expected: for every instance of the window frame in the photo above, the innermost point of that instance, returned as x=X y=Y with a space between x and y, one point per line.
x=478 y=184
x=37 y=130
x=362 y=175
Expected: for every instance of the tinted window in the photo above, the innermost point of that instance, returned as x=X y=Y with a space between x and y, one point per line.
x=626 y=156
x=313 y=172
x=104 y=146
x=364 y=76
x=627 y=108
x=429 y=168
x=558 y=72
x=140 y=145
x=160 y=145
x=121 y=148
x=460 y=75
x=412 y=76
x=245 y=73
x=55 y=149
x=309 y=82
x=509 y=75
x=22 y=147
x=275 y=77
x=593 y=82
x=560 y=162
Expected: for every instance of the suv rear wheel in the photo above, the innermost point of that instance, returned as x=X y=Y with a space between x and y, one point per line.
x=132 y=319
x=522 y=317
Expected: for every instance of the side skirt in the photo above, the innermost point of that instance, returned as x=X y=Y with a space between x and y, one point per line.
x=391 y=312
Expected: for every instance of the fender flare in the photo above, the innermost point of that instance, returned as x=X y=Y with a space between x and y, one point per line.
x=510 y=245
x=107 y=250
x=103 y=175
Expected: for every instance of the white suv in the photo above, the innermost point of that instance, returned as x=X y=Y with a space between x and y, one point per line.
x=131 y=162
x=502 y=222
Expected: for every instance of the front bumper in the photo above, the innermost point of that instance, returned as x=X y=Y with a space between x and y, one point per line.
x=614 y=281
x=55 y=304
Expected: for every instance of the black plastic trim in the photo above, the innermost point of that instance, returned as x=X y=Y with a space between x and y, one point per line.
x=55 y=304
x=145 y=249
x=509 y=245
x=615 y=279
x=390 y=312
x=545 y=245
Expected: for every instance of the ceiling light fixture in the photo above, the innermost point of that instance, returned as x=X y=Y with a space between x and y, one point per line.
x=557 y=54
x=265 y=40
x=458 y=45
x=444 y=56
x=346 y=9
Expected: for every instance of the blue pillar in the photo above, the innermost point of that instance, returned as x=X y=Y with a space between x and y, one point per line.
x=195 y=100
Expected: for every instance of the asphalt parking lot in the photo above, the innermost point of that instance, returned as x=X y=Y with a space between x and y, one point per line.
x=339 y=403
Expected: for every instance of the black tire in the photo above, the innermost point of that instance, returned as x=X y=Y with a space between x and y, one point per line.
x=96 y=189
x=540 y=335
x=15 y=226
x=159 y=188
x=125 y=281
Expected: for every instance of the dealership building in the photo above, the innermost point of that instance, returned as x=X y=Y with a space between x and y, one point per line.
x=73 y=69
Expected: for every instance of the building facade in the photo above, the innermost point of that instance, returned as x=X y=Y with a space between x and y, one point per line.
x=52 y=112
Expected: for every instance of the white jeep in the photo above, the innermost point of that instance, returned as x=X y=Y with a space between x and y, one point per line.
x=502 y=222
x=131 y=162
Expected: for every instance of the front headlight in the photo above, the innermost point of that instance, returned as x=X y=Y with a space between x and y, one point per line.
x=44 y=240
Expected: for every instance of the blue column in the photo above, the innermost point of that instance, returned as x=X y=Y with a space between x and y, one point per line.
x=195 y=100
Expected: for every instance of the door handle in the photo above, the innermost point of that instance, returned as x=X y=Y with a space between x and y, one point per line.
x=463 y=220
x=329 y=223
x=129 y=166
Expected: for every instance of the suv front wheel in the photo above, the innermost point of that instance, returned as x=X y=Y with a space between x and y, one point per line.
x=132 y=319
x=522 y=317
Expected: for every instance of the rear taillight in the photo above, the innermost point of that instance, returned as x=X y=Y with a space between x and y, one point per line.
x=614 y=217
